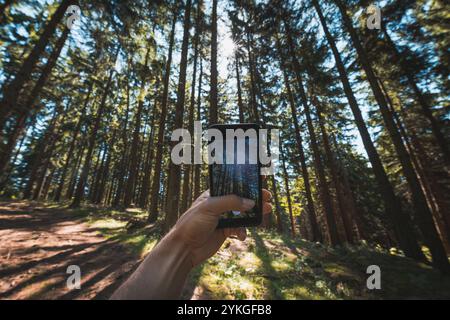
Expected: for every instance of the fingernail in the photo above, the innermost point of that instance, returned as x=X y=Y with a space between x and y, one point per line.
x=248 y=203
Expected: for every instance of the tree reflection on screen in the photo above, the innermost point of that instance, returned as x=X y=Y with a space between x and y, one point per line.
x=238 y=179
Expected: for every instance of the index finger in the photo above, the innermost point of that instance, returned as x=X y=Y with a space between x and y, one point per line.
x=219 y=205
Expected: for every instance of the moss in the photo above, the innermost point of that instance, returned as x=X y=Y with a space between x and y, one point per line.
x=276 y=267
x=272 y=266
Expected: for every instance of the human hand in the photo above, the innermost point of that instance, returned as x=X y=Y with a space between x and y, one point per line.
x=192 y=240
x=196 y=228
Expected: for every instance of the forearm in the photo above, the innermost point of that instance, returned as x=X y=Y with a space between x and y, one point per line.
x=161 y=275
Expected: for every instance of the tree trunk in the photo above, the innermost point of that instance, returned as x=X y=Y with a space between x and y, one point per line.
x=79 y=192
x=93 y=176
x=25 y=110
x=419 y=168
x=426 y=109
x=400 y=220
x=49 y=150
x=144 y=193
x=3 y=7
x=423 y=213
x=187 y=182
x=156 y=185
x=98 y=199
x=324 y=191
x=213 y=113
x=94 y=189
x=343 y=177
x=316 y=235
x=173 y=190
x=251 y=70
x=197 y=171
x=133 y=169
x=39 y=152
x=11 y=92
x=277 y=205
x=347 y=213
x=288 y=195
x=74 y=174
x=239 y=90
x=5 y=178
x=73 y=143
x=124 y=157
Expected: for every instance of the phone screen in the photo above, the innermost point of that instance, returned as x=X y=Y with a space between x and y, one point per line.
x=239 y=177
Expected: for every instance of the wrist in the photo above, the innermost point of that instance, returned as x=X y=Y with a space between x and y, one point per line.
x=162 y=274
x=174 y=245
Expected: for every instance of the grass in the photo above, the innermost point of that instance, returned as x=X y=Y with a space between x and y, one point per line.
x=112 y=224
x=272 y=266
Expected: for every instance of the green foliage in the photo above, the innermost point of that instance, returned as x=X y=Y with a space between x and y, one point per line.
x=74 y=137
x=267 y=266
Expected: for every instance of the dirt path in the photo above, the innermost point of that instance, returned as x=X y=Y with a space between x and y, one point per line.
x=38 y=244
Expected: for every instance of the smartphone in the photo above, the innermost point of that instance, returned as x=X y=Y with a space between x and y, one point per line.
x=239 y=173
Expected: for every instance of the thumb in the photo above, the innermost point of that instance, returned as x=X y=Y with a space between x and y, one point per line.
x=219 y=205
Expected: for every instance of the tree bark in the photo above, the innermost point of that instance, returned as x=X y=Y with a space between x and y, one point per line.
x=288 y=195
x=426 y=109
x=74 y=174
x=39 y=152
x=133 y=169
x=144 y=193
x=156 y=185
x=73 y=143
x=400 y=220
x=239 y=90
x=413 y=147
x=25 y=110
x=251 y=70
x=324 y=191
x=316 y=235
x=79 y=192
x=124 y=156
x=98 y=199
x=3 y=7
x=423 y=213
x=197 y=172
x=187 y=182
x=347 y=212
x=213 y=112
x=49 y=150
x=11 y=92
x=173 y=189
x=277 y=205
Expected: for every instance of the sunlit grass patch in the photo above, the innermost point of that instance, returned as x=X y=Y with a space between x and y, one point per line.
x=249 y=262
x=140 y=241
x=281 y=265
x=335 y=270
x=230 y=284
x=112 y=224
x=272 y=266
x=300 y=292
x=107 y=223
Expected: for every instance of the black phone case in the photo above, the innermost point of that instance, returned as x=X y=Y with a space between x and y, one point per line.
x=241 y=222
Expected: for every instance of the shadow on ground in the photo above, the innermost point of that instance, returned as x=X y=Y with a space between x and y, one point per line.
x=37 y=245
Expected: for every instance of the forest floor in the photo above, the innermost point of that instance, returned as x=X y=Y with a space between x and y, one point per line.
x=38 y=241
